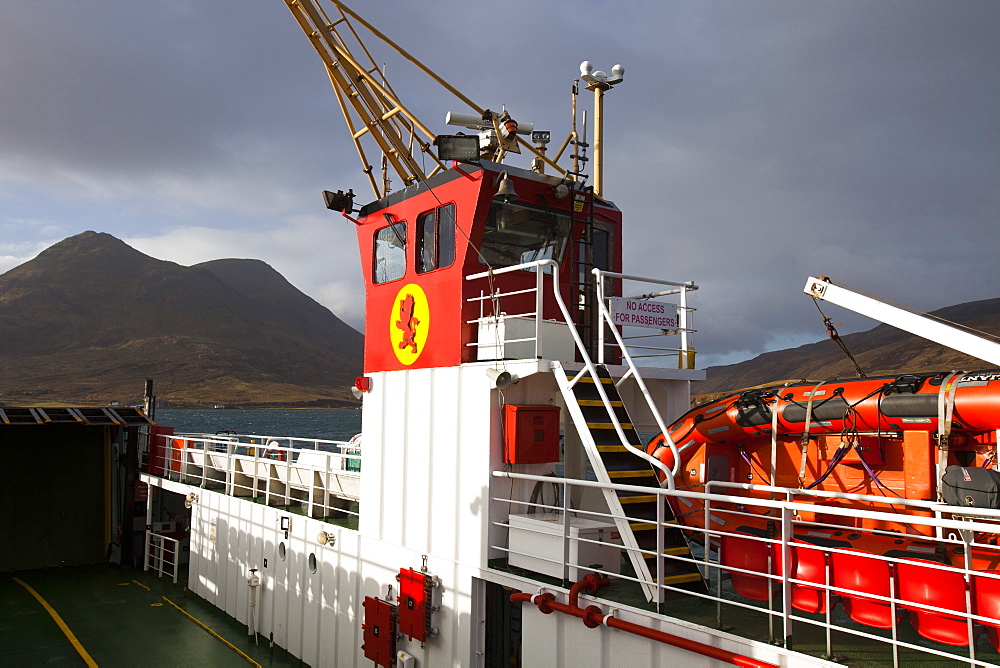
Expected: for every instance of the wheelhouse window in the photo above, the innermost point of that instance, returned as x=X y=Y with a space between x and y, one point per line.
x=390 y=253
x=436 y=239
x=516 y=234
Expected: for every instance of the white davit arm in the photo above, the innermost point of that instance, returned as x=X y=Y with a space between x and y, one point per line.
x=970 y=344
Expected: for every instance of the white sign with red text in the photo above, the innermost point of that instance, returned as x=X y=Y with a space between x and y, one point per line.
x=644 y=313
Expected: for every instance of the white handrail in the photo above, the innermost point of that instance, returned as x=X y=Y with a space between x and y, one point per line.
x=230 y=465
x=606 y=315
x=961 y=534
x=537 y=266
x=157 y=545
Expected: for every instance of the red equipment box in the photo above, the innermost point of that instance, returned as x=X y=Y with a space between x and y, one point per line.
x=414 y=604
x=530 y=434
x=379 y=631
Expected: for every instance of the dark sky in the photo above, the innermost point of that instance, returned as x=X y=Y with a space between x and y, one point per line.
x=752 y=144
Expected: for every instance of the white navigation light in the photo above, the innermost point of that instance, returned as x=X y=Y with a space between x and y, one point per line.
x=617 y=74
x=586 y=67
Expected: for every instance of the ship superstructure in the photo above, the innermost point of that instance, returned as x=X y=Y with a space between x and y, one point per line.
x=500 y=506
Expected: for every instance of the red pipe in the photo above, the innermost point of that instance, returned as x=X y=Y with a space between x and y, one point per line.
x=593 y=617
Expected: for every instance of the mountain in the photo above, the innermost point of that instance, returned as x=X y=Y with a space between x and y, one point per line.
x=91 y=317
x=883 y=350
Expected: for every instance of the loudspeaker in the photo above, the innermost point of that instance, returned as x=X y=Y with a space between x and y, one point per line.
x=501 y=379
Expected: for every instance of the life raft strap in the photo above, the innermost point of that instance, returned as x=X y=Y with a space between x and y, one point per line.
x=946 y=408
x=805 y=434
x=774 y=442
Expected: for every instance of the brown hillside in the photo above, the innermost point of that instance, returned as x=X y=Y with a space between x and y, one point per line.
x=883 y=350
x=90 y=318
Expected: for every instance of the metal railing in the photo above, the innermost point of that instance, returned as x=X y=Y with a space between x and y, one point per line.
x=495 y=296
x=321 y=477
x=163 y=554
x=539 y=268
x=962 y=605
x=685 y=352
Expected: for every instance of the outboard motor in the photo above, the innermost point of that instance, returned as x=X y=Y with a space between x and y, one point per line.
x=971 y=487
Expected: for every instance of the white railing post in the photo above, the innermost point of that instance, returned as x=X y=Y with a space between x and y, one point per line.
x=230 y=470
x=682 y=356
x=539 y=309
x=659 y=550
x=600 y=321
x=147 y=546
x=786 y=566
x=565 y=530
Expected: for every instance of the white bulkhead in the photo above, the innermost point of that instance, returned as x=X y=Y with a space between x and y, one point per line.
x=432 y=438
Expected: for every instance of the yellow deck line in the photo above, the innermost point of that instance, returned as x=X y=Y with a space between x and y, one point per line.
x=62 y=625
x=226 y=642
x=608 y=425
x=612 y=448
x=597 y=402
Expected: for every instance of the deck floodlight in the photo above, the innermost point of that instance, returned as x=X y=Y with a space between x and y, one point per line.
x=339 y=201
x=464 y=148
x=190 y=500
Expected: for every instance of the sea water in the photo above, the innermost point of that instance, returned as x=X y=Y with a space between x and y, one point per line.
x=337 y=424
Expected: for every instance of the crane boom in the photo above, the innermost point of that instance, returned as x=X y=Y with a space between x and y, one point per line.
x=367 y=101
x=370 y=107
x=908 y=321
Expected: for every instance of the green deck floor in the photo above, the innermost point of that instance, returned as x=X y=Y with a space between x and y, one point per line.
x=119 y=623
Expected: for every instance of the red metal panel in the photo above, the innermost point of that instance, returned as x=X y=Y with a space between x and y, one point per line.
x=156 y=460
x=421 y=320
x=415 y=322
x=379 y=631
x=531 y=434
x=414 y=604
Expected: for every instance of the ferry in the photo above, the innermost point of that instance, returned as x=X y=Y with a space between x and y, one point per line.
x=507 y=506
x=530 y=486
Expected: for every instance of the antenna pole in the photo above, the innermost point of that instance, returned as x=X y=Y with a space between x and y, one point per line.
x=599 y=82
x=599 y=137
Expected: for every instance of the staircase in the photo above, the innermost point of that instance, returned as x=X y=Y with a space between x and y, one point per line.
x=635 y=513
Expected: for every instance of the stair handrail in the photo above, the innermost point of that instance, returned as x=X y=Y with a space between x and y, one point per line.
x=537 y=265
x=633 y=369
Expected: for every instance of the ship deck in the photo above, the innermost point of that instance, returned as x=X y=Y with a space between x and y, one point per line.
x=750 y=621
x=120 y=617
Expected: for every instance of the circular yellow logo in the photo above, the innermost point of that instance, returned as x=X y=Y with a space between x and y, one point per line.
x=409 y=321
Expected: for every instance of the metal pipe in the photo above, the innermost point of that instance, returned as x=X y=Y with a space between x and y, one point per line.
x=593 y=617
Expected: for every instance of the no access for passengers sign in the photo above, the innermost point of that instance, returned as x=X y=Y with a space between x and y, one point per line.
x=644 y=313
